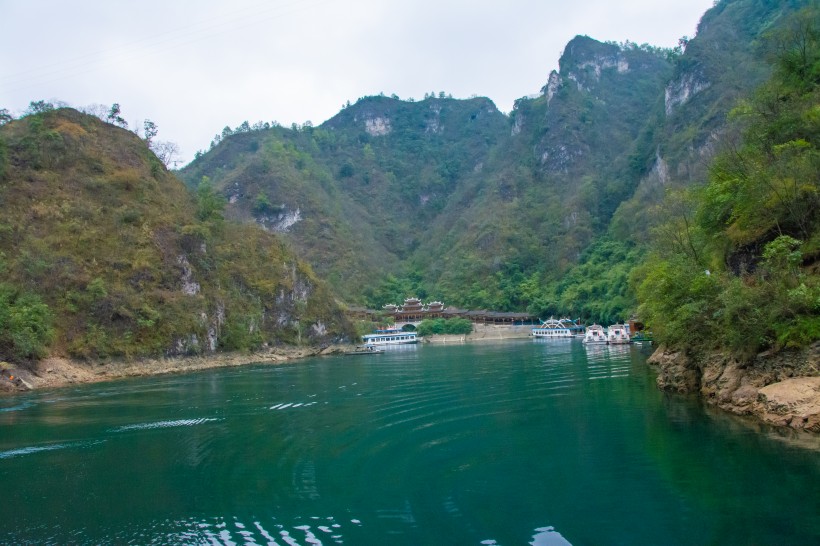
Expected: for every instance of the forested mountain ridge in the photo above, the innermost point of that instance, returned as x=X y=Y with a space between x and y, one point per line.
x=550 y=189
x=354 y=195
x=683 y=129
x=441 y=194
x=735 y=262
x=721 y=65
x=547 y=209
x=104 y=253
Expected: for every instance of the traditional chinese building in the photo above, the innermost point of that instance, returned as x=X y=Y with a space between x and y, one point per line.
x=413 y=310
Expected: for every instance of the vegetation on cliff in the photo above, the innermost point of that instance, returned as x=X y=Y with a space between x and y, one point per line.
x=104 y=253
x=549 y=209
x=449 y=198
x=736 y=263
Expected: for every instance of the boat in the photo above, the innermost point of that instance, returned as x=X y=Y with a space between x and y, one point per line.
x=642 y=337
x=617 y=334
x=595 y=335
x=554 y=329
x=365 y=350
x=390 y=336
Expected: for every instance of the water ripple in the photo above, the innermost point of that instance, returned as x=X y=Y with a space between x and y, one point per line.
x=19 y=407
x=322 y=530
x=166 y=424
x=29 y=450
x=292 y=405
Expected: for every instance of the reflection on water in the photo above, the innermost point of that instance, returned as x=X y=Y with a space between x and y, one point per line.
x=492 y=443
x=544 y=536
x=315 y=530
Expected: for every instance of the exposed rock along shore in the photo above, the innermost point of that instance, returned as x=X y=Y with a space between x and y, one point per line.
x=58 y=372
x=780 y=388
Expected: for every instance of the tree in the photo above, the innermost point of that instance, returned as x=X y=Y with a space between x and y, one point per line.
x=5 y=116
x=262 y=204
x=151 y=131
x=167 y=152
x=734 y=263
x=115 y=118
x=210 y=205
x=39 y=107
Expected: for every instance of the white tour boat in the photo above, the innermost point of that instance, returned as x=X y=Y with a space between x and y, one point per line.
x=595 y=334
x=617 y=334
x=554 y=329
x=392 y=336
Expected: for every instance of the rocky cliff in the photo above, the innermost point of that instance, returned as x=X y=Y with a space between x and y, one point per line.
x=780 y=388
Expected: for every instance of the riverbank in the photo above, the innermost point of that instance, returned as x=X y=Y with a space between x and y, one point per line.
x=485 y=332
x=778 y=388
x=56 y=372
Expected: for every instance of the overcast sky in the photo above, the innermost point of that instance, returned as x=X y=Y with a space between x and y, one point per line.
x=195 y=66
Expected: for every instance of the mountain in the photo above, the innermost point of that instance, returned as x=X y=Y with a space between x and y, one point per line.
x=356 y=195
x=447 y=192
x=722 y=64
x=735 y=262
x=549 y=189
x=104 y=253
x=547 y=209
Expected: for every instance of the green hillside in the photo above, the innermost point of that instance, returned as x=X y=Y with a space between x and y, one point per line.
x=448 y=198
x=684 y=127
x=548 y=191
x=104 y=253
x=548 y=210
x=356 y=195
x=735 y=263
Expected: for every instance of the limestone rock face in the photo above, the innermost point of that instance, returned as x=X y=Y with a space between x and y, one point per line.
x=780 y=388
x=676 y=371
x=377 y=126
x=794 y=402
x=681 y=91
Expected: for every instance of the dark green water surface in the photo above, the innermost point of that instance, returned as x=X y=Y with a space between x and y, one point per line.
x=499 y=443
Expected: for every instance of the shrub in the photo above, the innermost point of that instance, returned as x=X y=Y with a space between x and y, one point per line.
x=452 y=326
x=26 y=324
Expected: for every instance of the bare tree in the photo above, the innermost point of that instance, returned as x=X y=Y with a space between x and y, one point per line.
x=167 y=152
x=99 y=111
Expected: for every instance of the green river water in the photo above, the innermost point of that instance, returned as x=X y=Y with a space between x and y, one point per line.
x=520 y=442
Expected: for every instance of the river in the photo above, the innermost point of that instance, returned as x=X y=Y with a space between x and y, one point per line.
x=518 y=442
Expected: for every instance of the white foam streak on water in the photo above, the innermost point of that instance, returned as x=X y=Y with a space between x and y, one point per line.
x=32 y=449
x=292 y=405
x=20 y=407
x=166 y=424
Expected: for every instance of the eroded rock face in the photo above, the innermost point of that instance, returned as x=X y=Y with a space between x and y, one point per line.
x=377 y=126
x=793 y=402
x=676 y=371
x=681 y=91
x=781 y=389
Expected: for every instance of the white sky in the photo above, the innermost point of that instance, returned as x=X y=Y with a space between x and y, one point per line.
x=195 y=66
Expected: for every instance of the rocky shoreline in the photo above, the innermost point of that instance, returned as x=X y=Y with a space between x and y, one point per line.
x=56 y=372
x=778 y=388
